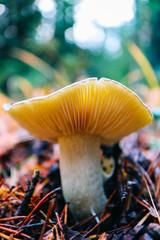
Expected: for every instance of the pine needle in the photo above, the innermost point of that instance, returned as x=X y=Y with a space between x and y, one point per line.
x=150 y=195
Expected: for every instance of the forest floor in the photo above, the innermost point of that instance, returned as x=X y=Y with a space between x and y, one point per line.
x=32 y=204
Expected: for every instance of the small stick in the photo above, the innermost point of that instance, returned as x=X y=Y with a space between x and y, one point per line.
x=7 y=237
x=14 y=231
x=36 y=224
x=43 y=200
x=11 y=218
x=49 y=213
x=108 y=201
x=60 y=226
x=64 y=213
x=29 y=193
x=8 y=225
x=150 y=195
x=144 y=204
x=143 y=219
x=91 y=230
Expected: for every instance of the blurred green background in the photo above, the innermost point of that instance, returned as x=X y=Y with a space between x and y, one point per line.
x=53 y=43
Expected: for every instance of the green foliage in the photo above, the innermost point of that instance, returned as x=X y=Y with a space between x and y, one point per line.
x=17 y=28
x=57 y=61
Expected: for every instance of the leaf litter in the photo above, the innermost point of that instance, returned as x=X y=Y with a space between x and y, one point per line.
x=32 y=204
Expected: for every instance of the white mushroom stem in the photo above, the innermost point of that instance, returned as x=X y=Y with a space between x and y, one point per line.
x=81 y=174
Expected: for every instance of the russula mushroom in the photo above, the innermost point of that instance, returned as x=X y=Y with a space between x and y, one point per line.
x=80 y=117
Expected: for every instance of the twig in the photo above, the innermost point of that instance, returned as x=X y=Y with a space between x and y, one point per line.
x=14 y=231
x=91 y=230
x=60 y=226
x=144 y=204
x=84 y=221
x=8 y=225
x=23 y=209
x=146 y=175
x=108 y=201
x=49 y=213
x=8 y=237
x=64 y=213
x=143 y=219
x=150 y=195
x=154 y=164
x=36 y=224
x=43 y=200
x=11 y=218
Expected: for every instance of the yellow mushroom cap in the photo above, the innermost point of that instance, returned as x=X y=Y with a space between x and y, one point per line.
x=101 y=107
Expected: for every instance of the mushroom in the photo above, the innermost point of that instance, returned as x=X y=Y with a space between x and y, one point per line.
x=80 y=117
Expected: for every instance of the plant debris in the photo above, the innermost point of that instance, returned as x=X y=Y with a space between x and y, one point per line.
x=32 y=204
